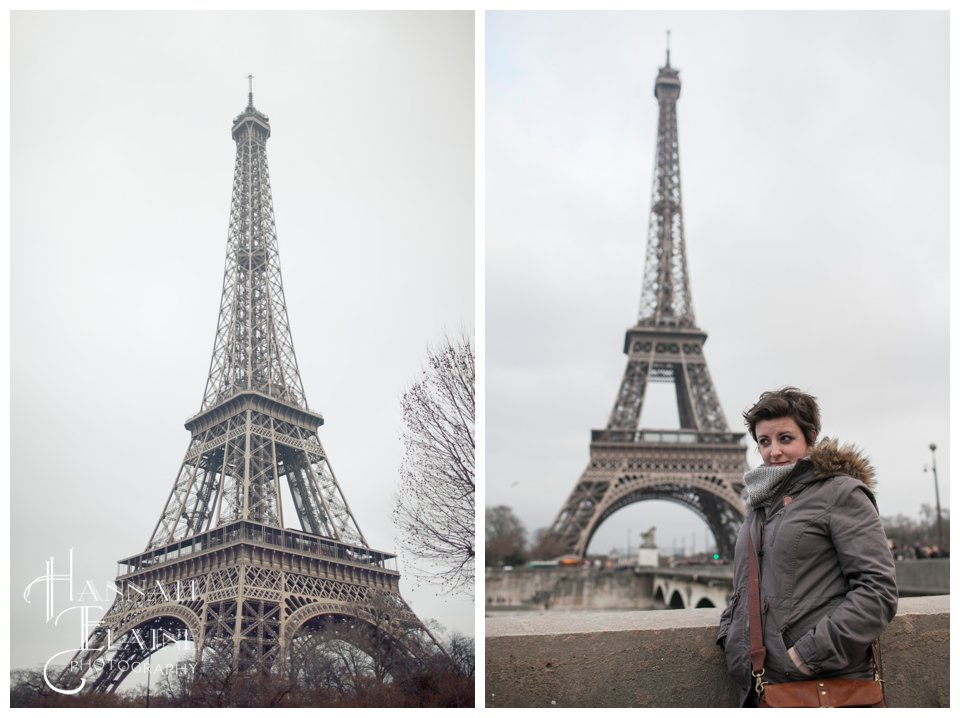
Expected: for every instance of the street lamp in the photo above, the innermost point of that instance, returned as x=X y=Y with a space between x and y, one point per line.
x=936 y=488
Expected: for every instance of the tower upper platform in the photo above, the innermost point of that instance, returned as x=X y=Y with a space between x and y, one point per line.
x=668 y=81
x=251 y=117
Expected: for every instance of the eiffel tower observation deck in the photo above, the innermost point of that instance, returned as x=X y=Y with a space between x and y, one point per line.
x=249 y=580
x=701 y=464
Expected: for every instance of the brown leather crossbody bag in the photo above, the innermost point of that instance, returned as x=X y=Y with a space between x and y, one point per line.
x=816 y=693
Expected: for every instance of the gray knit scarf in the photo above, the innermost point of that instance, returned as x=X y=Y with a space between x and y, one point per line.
x=762 y=482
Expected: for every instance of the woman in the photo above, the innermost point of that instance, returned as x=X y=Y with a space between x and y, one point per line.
x=828 y=581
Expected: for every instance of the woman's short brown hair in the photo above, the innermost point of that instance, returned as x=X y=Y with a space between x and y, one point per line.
x=788 y=401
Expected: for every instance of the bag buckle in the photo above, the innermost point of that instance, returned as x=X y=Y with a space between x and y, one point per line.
x=758 y=685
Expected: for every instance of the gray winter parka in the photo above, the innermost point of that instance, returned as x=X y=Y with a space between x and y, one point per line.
x=827 y=577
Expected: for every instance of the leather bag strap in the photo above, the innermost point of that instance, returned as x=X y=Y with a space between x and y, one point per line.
x=758 y=652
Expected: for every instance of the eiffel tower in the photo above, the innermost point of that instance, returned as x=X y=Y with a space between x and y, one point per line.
x=221 y=566
x=701 y=465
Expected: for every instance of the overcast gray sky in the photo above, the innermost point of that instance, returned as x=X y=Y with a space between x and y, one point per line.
x=122 y=167
x=814 y=160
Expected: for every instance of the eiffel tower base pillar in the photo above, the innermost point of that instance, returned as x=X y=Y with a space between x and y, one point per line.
x=251 y=599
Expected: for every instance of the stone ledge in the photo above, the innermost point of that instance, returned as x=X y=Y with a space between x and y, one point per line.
x=669 y=658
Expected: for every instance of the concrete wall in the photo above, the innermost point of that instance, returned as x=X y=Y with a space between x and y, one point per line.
x=669 y=658
x=923 y=577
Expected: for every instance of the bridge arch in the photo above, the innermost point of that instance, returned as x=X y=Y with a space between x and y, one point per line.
x=659 y=599
x=688 y=589
x=709 y=497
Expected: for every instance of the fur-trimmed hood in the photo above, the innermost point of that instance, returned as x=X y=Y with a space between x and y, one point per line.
x=830 y=458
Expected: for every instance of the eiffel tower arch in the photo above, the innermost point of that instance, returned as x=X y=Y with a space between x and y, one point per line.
x=701 y=464
x=224 y=567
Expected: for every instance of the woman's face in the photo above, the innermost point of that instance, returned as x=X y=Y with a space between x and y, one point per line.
x=780 y=441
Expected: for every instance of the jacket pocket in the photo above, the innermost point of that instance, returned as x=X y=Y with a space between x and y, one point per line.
x=778 y=662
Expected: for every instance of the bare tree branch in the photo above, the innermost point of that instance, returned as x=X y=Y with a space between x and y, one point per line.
x=435 y=504
x=506 y=537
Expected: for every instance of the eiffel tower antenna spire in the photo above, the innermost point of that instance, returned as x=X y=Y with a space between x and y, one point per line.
x=668 y=48
x=701 y=464
x=224 y=562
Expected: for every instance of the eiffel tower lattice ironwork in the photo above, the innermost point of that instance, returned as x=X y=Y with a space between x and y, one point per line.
x=221 y=563
x=700 y=465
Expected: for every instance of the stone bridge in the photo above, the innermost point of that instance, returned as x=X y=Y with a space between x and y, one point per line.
x=701 y=586
x=692 y=587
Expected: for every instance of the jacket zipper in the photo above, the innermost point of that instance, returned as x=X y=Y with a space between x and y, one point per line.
x=760 y=548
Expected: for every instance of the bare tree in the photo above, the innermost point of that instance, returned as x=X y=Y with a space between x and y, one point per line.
x=217 y=682
x=435 y=504
x=176 y=683
x=460 y=649
x=912 y=538
x=506 y=537
x=28 y=688
x=546 y=545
